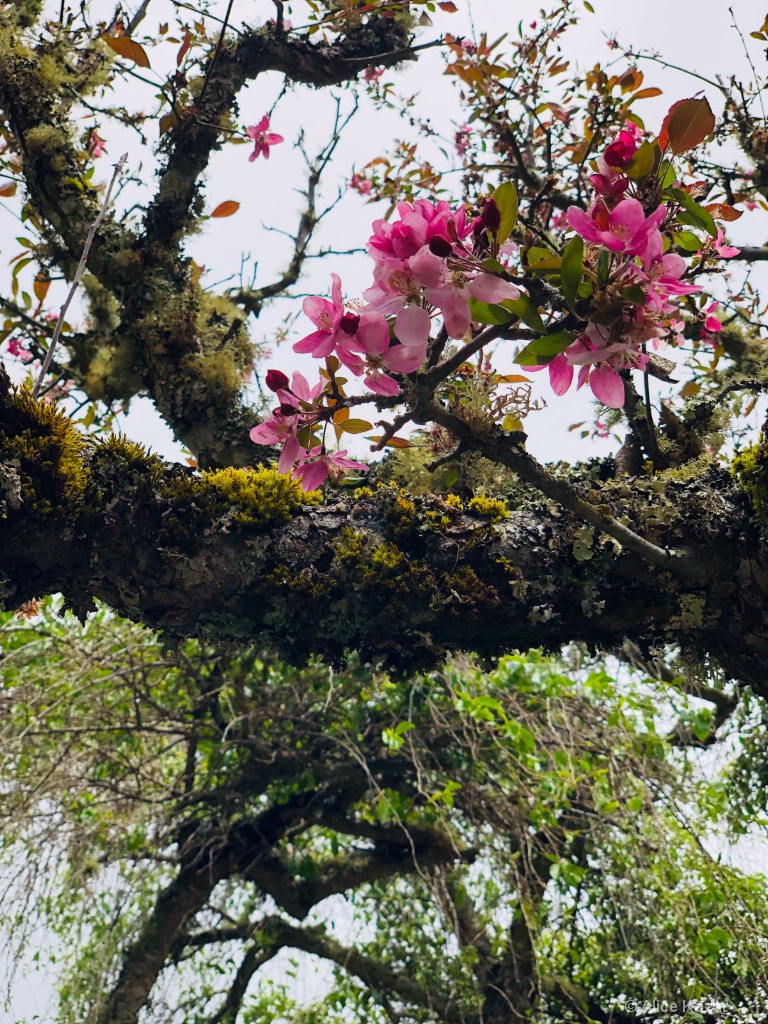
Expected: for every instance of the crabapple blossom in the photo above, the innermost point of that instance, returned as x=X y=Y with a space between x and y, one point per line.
x=313 y=470
x=625 y=228
x=263 y=138
x=711 y=322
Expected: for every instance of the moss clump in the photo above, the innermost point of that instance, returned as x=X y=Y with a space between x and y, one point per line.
x=362 y=493
x=750 y=467
x=258 y=497
x=47 y=451
x=492 y=508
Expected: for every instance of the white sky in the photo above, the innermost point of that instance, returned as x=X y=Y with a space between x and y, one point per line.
x=697 y=36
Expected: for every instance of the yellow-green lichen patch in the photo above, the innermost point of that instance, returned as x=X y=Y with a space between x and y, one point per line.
x=46 y=449
x=750 y=467
x=258 y=497
x=492 y=508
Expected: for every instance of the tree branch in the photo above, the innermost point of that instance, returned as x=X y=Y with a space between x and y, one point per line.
x=392 y=577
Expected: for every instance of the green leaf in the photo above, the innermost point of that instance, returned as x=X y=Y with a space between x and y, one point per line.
x=494 y=267
x=698 y=214
x=543 y=350
x=634 y=294
x=603 y=267
x=688 y=241
x=571 y=269
x=642 y=162
x=483 y=313
x=506 y=200
x=536 y=253
x=353 y=426
x=525 y=310
x=452 y=477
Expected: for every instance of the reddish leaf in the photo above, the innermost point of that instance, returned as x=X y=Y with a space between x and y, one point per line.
x=448 y=6
x=646 y=94
x=168 y=121
x=126 y=47
x=687 y=124
x=41 y=286
x=183 y=48
x=9 y=189
x=393 y=442
x=722 y=211
x=226 y=209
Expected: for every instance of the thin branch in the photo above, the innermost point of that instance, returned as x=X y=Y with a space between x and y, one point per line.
x=78 y=274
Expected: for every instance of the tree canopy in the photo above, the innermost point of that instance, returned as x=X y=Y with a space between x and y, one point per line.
x=463 y=725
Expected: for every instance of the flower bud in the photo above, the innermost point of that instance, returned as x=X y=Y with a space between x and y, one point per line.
x=440 y=246
x=288 y=410
x=492 y=215
x=276 y=379
x=349 y=323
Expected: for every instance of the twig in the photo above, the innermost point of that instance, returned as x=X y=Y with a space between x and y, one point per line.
x=653 y=443
x=212 y=65
x=78 y=274
x=137 y=19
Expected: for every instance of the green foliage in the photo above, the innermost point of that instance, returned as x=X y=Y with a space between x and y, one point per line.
x=567 y=811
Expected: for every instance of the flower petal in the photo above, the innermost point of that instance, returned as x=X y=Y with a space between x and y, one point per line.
x=607 y=386
x=412 y=325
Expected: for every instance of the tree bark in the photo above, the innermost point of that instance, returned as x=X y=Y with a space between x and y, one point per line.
x=396 y=578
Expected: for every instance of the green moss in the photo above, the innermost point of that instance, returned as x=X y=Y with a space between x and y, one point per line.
x=258 y=497
x=42 y=443
x=750 y=467
x=492 y=508
x=402 y=513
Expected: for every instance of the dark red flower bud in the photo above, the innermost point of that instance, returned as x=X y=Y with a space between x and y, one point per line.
x=288 y=410
x=276 y=379
x=492 y=215
x=440 y=246
x=349 y=323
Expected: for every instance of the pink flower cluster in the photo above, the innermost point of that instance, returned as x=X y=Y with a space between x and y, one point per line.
x=296 y=410
x=421 y=267
x=642 y=284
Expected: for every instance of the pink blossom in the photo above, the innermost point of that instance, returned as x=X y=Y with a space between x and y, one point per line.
x=96 y=145
x=461 y=139
x=623 y=229
x=417 y=224
x=263 y=138
x=610 y=188
x=726 y=251
x=326 y=316
x=621 y=151
x=711 y=322
x=380 y=356
x=451 y=290
x=662 y=279
x=633 y=129
x=283 y=423
x=361 y=185
x=315 y=467
x=396 y=290
x=372 y=74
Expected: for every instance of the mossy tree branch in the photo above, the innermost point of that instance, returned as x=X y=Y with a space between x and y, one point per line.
x=236 y=555
x=187 y=349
